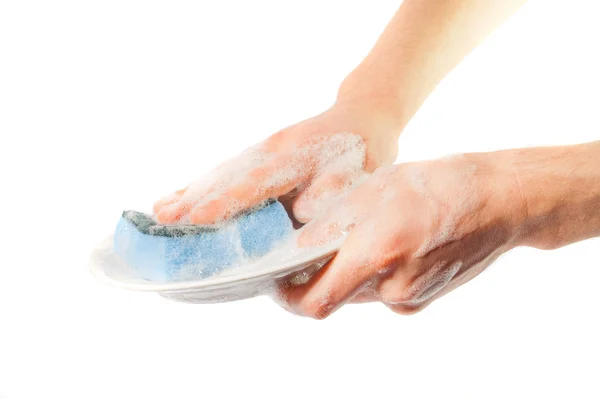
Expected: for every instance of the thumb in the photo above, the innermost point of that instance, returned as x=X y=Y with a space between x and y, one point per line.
x=324 y=192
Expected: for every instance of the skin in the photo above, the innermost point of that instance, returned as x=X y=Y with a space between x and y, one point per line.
x=424 y=40
x=295 y=147
x=414 y=231
x=453 y=218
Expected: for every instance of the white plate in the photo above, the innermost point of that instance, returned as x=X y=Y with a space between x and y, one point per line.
x=294 y=265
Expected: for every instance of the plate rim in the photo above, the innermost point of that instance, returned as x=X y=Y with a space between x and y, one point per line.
x=102 y=251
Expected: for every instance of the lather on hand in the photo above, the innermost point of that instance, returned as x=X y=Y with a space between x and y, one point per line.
x=313 y=162
x=437 y=224
x=418 y=230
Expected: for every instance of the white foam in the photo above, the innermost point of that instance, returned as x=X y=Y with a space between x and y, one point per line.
x=342 y=154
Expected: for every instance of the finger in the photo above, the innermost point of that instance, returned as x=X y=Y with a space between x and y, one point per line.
x=337 y=221
x=346 y=275
x=176 y=210
x=181 y=202
x=217 y=179
x=282 y=294
x=322 y=192
x=367 y=296
x=407 y=309
x=274 y=179
x=418 y=281
x=204 y=189
x=168 y=200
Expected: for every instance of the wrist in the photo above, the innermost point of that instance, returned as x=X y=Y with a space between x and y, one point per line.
x=379 y=129
x=360 y=94
x=504 y=201
x=560 y=193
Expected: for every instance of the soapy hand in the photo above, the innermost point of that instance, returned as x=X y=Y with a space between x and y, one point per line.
x=414 y=232
x=311 y=163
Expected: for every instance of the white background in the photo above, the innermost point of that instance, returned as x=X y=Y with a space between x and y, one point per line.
x=107 y=105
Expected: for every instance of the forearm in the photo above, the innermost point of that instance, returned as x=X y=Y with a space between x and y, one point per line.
x=560 y=188
x=420 y=45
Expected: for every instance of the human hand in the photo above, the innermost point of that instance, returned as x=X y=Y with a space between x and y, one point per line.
x=414 y=232
x=312 y=162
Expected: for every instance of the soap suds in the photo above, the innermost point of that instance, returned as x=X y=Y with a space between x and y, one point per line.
x=338 y=159
x=342 y=154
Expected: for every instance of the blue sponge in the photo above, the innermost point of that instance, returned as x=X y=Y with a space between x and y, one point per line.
x=186 y=252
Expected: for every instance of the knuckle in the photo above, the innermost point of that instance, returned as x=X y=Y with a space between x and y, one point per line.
x=386 y=265
x=399 y=293
x=303 y=209
x=331 y=181
x=406 y=309
x=317 y=309
x=392 y=297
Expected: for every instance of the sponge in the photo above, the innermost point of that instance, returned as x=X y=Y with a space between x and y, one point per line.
x=186 y=252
